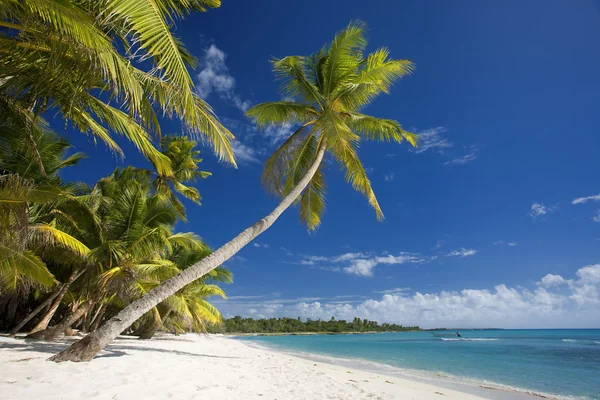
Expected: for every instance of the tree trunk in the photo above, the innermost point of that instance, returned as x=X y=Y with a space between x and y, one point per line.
x=86 y=348
x=35 y=312
x=62 y=326
x=43 y=324
x=98 y=317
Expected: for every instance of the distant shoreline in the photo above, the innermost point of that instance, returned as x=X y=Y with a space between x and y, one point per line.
x=309 y=333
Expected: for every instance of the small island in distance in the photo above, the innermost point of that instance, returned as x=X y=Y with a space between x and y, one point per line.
x=295 y=326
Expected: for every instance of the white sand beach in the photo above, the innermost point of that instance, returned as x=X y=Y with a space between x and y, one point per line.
x=196 y=367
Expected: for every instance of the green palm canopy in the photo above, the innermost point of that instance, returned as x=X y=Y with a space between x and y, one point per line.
x=324 y=93
x=110 y=67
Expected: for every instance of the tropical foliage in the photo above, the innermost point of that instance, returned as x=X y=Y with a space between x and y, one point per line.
x=108 y=67
x=290 y=325
x=85 y=253
x=328 y=90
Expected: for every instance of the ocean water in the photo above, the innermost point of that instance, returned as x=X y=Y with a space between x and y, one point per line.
x=562 y=363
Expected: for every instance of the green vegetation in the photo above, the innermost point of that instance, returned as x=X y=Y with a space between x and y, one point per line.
x=290 y=325
x=107 y=258
x=71 y=255
x=329 y=90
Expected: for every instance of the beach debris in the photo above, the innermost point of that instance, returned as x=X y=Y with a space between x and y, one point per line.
x=389 y=382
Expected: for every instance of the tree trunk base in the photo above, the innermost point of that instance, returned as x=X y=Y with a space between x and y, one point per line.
x=83 y=350
x=45 y=334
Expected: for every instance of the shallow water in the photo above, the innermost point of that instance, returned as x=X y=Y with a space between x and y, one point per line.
x=558 y=362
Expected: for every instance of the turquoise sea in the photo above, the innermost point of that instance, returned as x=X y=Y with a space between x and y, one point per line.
x=563 y=363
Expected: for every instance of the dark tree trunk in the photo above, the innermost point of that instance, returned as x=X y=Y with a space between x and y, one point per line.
x=61 y=327
x=35 y=312
x=43 y=324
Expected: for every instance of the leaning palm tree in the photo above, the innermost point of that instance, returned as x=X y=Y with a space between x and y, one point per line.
x=331 y=87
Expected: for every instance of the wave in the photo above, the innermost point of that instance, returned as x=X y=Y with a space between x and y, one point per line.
x=468 y=339
x=582 y=341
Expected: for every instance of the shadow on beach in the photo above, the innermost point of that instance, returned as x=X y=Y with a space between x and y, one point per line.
x=112 y=350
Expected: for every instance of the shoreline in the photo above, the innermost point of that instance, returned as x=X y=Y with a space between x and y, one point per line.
x=211 y=366
x=484 y=389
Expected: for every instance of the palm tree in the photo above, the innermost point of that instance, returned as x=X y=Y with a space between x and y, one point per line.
x=331 y=86
x=32 y=200
x=84 y=58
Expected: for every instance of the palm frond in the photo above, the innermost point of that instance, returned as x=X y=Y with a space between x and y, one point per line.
x=312 y=204
x=59 y=238
x=281 y=112
x=380 y=129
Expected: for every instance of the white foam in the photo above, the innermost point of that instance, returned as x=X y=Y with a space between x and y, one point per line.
x=569 y=340
x=468 y=339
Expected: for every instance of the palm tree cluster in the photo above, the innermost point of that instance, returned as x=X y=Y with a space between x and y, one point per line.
x=72 y=255
x=107 y=258
x=328 y=91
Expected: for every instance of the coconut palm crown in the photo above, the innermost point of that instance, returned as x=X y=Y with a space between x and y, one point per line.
x=328 y=90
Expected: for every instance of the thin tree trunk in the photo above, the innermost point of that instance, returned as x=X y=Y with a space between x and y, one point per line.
x=98 y=318
x=35 y=312
x=86 y=348
x=164 y=318
x=95 y=316
x=62 y=326
x=43 y=324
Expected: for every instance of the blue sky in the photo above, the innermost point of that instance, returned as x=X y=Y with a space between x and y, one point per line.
x=505 y=96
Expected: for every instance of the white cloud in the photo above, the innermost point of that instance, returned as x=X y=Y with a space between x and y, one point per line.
x=432 y=139
x=264 y=246
x=499 y=242
x=361 y=267
x=397 y=291
x=581 y=200
x=215 y=78
x=596 y=218
x=551 y=280
x=277 y=133
x=362 y=264
x=388 y=177
x=467 y=158
x=574 y=303
x=244 y=154
x=539 y=209
x=462 y=253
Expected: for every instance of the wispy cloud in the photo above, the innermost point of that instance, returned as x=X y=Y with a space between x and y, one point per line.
x=462 y=253
x=260 y=245
x=361 y=264
x=467 y=158
x=499 y=242
x=581 y=200
x=432 y=139
x=215 y=78
x=244 y=154
x=539 y=210
x=388 y=177
x=396 y=291
x=596 y=218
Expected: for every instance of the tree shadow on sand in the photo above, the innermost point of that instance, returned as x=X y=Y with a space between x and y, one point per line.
x=112 y=350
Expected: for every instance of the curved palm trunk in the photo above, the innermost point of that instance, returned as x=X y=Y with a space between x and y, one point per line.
x=86 y=348
x=35 y=312
x=43 y=324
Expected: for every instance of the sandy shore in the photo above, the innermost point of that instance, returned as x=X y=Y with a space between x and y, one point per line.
x=198 y=367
